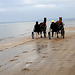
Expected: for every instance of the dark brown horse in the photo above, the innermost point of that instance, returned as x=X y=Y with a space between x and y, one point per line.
x=39 y=28
x=57 y=26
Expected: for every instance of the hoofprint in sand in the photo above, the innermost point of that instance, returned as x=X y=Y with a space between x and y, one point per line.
x=26 y=56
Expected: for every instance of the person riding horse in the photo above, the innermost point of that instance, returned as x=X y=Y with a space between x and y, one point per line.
x=54 y=27
x=37 y=27
x=40 y=27
x=58 y=25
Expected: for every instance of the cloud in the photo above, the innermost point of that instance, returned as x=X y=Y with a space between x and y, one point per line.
x=2 y=10
x=35 y=8
x=45 y=6
x=28 y=2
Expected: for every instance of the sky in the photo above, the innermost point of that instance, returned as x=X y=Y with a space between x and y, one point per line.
x=32 y=10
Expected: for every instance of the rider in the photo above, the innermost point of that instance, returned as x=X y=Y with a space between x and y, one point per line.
x=37 y=27
x=53 y=26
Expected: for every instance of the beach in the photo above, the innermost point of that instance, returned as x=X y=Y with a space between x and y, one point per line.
x=39 y=56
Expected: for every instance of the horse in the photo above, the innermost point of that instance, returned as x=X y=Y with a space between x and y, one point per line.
x=57 y=27
x=39 y=28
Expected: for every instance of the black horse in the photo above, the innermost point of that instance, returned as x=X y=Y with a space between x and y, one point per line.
x=39 y=28
x=57 y=29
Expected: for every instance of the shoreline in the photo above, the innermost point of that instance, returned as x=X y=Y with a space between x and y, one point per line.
x=18 y=41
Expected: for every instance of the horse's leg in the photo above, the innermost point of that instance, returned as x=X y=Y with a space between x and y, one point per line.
x=52 y=33
x=57 y=34
x=61 y=32
x=36 y=34
x=44 y=32
x=41 y=34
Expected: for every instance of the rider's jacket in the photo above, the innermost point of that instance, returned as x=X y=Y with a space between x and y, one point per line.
x=54 y=26
x=36 y=28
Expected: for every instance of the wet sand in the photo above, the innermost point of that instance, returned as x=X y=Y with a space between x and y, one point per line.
x=41 y=56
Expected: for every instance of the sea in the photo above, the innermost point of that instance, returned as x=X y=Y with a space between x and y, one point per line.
x=10 y=31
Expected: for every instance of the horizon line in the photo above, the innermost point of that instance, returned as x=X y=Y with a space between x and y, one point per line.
x=36 y=20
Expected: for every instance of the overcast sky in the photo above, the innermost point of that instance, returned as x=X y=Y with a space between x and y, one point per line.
x=32 y=10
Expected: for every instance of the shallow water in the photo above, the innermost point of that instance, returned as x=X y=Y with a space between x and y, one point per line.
x=9 y=31
x=14 y=30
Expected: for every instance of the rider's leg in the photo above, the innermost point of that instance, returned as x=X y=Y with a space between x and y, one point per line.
x=41 y=34
x=44 y=33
